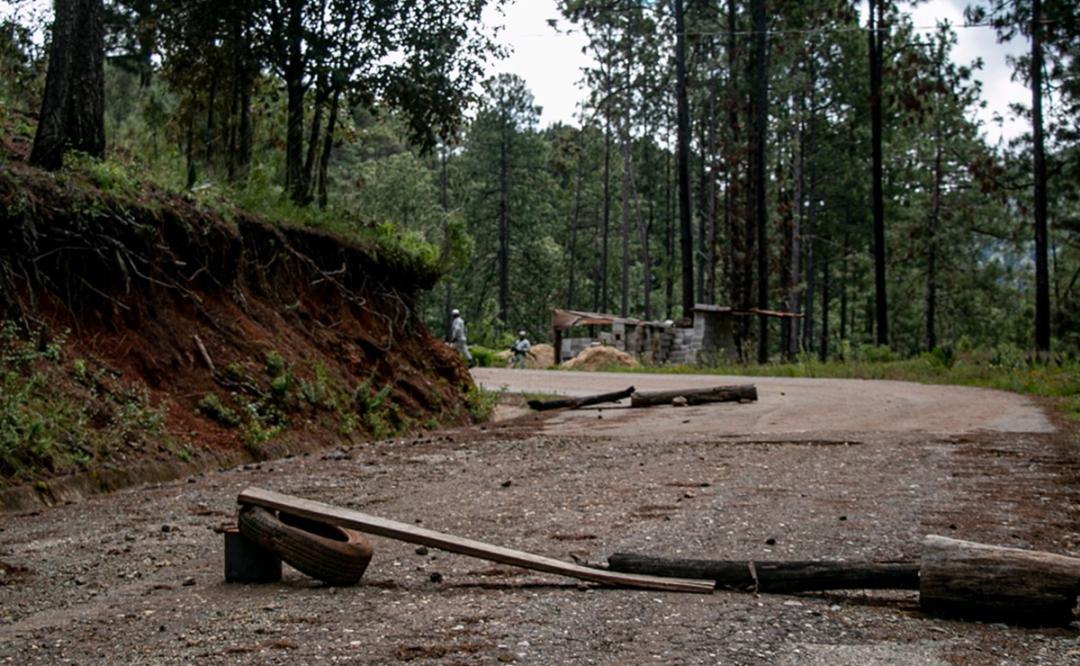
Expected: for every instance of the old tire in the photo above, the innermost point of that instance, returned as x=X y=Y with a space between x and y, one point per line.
x=334 y=555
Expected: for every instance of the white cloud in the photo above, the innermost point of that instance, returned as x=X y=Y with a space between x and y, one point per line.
x=550 y=61
x=998 y=88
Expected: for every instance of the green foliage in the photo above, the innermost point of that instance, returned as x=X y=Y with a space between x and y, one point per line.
x=47 y=428
x=484 y=356
x=106 y=174
x=275 y=364
x=212 y=408
x=481 y=403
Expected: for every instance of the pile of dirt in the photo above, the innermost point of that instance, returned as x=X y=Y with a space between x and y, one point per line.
x=599 y=357
x=155 y=329
x=541 y=356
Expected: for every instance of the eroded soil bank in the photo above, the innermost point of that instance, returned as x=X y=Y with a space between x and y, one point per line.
x=146 y=335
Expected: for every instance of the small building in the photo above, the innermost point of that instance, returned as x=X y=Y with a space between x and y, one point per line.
x=709 y=338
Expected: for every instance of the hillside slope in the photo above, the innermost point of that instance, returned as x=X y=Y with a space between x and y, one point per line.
x=145 y=334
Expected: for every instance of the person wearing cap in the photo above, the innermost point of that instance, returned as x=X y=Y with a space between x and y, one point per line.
x=457 y=336
x=521 y=349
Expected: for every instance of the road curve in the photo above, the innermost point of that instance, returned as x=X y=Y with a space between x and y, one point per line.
x=785 y=405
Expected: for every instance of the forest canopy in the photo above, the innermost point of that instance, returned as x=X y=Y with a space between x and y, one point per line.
x=817 y=157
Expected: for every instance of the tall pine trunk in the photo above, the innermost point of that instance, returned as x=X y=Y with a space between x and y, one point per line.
x=686 y=241
x=73 y=108
x=1042 y=273
x=876 y=37
x=295 y=90
x=607 y=216
x=823 y=350
x=323 y=175
x=504 y=223
x=760 y=116
x=572 y=263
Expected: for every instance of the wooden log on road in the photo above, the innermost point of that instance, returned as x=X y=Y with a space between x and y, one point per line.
x=777 y=577
x=745 y=392
x=578 y=403
x=977 y=581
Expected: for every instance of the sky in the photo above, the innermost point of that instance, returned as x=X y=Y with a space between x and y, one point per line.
x=551 y=60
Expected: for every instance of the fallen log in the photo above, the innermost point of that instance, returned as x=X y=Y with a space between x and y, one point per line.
x=777 y=577
x=373 y=525
x=578 y=403
x=976 y=581
x=695 y=396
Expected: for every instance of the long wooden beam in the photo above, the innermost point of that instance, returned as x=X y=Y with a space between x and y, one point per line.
x=778 y=577
x=392 y=529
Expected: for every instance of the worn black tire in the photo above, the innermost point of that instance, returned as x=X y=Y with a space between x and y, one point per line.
x=334 y=555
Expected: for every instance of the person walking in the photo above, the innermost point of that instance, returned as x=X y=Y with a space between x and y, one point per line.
x=458 y=339
x=521 y=349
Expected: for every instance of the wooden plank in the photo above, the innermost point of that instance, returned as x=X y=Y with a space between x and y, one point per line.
x=777 y=577
x=412 y=534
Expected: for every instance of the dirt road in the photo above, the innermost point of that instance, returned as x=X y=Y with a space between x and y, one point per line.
x=786 y=405
x=136 y=577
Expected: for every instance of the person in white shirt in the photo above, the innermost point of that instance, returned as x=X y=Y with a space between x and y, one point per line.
x=458 y=339
x=521 y=349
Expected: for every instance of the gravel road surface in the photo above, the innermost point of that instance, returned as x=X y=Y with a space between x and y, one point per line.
x=816 y=469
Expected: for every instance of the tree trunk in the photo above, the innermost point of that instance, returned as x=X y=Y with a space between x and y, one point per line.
x=795 y=268
x=731 y=190
x=294 y=83
x=760 y=116
x=811 y=210
x=823 y=350
x=607 y=215
x=709 y=295
x=189 y=152
x=308 y=176
x=844 y=288
x=624 y=284
x=1042 y=273
x=643 y=236
x=73 y=107
x=686 y=241
x=669 y=240
x=571 y=264
x=876 y=36
x=444 y=204
x=504 y=224
x=931 y=246
x=328 y=146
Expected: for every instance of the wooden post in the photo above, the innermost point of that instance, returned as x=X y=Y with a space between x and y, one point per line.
x=983 y=582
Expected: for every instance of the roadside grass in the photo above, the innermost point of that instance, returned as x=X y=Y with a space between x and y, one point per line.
x=1057 y=380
